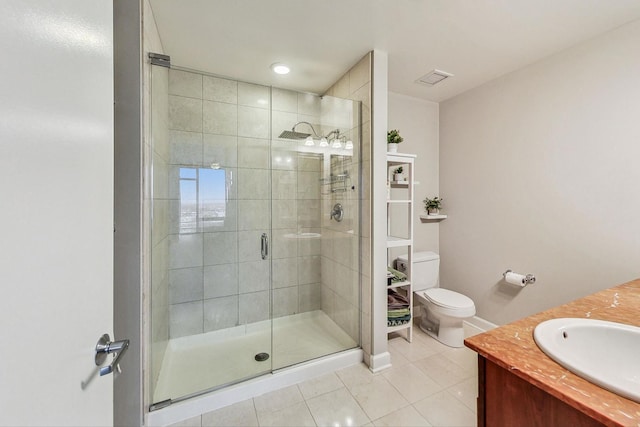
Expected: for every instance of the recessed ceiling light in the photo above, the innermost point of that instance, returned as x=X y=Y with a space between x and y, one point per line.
x=433 y=77
x=279 y=68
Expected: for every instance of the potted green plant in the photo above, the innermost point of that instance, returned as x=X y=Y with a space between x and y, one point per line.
x=393 y=139
x=397 y=174
x=433 y=205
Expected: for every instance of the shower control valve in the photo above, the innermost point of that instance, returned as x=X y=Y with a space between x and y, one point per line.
x=337 y=212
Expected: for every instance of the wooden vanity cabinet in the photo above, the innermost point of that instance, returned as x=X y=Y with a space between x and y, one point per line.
x=504 y=399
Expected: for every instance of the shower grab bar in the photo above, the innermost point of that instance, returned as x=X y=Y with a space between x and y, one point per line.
x=106 y=346
x=264 y=245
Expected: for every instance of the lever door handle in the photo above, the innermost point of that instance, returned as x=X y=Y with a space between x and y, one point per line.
x=105 y=346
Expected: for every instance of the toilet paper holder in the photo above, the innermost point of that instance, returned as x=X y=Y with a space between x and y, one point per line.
x=528 y=279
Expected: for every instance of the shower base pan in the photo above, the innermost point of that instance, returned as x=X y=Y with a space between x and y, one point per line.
x=206 y=361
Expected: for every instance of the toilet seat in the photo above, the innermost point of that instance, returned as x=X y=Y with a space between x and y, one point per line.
x=449 y=303
x=448 y=299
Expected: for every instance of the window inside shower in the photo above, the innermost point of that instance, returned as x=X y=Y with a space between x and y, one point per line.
x=250 y=272
x=203 y=198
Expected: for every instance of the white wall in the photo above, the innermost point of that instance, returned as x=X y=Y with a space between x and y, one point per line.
x=417 y=121
x=539 y=170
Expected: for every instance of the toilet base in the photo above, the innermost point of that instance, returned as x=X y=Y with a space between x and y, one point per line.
x=449 y=331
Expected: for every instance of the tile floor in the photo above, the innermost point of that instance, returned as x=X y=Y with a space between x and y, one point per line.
x=429 y=384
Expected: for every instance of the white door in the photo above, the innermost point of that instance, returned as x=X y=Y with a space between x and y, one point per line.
x=56 y=210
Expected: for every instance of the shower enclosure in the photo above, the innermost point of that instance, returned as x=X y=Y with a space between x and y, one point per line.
x=255 y=225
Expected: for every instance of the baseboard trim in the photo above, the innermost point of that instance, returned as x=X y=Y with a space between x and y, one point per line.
x=480 y=323
x=379 y=362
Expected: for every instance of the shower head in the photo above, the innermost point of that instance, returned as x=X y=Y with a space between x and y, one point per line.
x=291 y=134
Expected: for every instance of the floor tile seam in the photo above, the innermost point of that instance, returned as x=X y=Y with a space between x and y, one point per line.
x=421 y=358
x=255 y=410
x=449 y=360
x=311 y=413
x=470 y=377
x=399 y=391
x=457 y=363
x=282 y=409
x=324 y=392
x=431 y=343
x=287 y=405
x=362 y=407
x=448 y=390
x=372 y=374
x=465 y=373
x=395 y=410
x=420 y=413
x=467 y=378
x=428 y=340
x=340 y=379
x=433 y=379
x=442 y=388
x=359 y=405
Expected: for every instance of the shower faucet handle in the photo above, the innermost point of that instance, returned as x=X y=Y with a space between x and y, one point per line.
x=337 y=212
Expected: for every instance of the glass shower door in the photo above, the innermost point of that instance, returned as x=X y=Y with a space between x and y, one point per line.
x=210 y=284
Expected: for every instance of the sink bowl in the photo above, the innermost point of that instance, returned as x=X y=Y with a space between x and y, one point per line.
x=605 y=353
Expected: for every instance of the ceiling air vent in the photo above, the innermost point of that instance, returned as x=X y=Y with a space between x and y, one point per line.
x=433 y=77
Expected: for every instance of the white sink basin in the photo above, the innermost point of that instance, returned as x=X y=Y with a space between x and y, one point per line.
x=605 y=353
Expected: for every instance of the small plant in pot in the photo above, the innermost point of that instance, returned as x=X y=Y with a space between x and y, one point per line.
x=397 y=174
x=433 y=205
x=393 y=139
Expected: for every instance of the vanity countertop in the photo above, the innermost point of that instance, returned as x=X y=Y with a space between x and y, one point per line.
x=512 y=347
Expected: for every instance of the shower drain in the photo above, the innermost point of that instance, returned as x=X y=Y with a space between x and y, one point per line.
x=261 y=357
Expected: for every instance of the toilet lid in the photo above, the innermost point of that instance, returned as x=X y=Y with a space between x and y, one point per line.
x=448 y=299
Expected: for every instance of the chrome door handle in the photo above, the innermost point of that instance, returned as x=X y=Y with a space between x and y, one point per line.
x=105 y=346
x=264 y=245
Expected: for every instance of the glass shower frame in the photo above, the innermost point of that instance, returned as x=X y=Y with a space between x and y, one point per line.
x=216 y=191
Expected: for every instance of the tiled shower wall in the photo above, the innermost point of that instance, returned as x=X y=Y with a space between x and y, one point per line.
x=219 y=132
x=356 y=85
x=340 y=281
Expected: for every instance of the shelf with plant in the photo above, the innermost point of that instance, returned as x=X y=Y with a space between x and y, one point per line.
x=433 y=205
x=397 y=174
x=393 y=139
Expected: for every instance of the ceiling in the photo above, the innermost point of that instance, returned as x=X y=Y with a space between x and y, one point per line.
x=476 y=40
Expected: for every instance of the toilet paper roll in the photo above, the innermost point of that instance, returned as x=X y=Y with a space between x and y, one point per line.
x=515 y=279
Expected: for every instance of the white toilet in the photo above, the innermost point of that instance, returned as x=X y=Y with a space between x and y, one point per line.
x=443 y=311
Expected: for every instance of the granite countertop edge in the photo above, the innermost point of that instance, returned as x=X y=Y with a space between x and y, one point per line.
x=512 y=347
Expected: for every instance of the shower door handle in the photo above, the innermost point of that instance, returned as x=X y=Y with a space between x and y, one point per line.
x=264 y=245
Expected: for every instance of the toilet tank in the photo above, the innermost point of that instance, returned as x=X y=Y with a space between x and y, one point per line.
x=426 y=268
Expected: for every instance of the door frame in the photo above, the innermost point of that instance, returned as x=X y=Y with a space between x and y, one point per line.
x=128 y=398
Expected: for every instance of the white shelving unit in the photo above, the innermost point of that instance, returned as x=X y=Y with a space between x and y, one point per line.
x=406 y=199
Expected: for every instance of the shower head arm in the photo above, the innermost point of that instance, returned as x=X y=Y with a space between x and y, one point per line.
x=293 y=129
